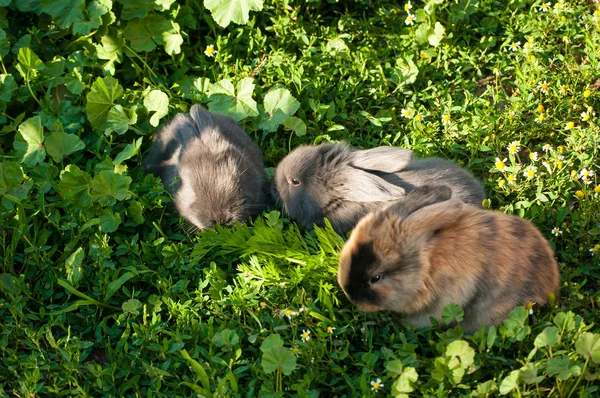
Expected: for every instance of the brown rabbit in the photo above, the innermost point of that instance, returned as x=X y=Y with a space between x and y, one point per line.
x=430 y=250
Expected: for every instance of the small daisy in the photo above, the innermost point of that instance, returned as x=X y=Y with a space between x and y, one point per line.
x=543 y=86
x=556 y=231
x=595 y=249
x=496 y=71
x=295 y=351
x=596 y=191
x=540 y=118
x=289 y=313
x=585 y=175
x=579 y=194
x=570 y=125
x=587 y=93
x=446 y=119
x=585 y=116
x=545 y=7
x=514 y=147
x=515 y=46
x=532 y=58
x=419 y=117
x=500 y=164
x=302 y=309
x=547 y=148
x=540 y=108
x=407 y=113
x=407 y=6
x=210 y=51
x=512 y=179
x=529 y=306
x=376 y=384
x=563 y=89
x=530 y=172
x=533 y=156
x=512 y=115
x=263 y=304
x=305 y=335
x=410 y=19
x=330 y=329
x=566 y=39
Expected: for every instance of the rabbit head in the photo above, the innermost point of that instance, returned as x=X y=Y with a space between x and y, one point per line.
x=382 y=266
x=337 y=182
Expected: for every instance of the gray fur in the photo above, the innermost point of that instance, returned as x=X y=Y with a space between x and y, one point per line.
x=344 y=184
x=213 y=169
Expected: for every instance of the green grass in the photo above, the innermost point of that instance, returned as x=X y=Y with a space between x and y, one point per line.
x=103 y=292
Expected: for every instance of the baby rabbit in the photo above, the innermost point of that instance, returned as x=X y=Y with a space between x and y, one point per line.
x=215 y=171
x=429 y=250
x=344 y=184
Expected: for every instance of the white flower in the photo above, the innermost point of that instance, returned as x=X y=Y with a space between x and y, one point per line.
x=515 y=46
x=586 y=175
x=500 y=164
x=446 y=119
x=533 y=156
x=586 y=116
x=547 y=148
x=305 y=335
x=330 y=329
x=514 y=147
x=289 y=313
x=302 y=309
x=376 y=384
x=530 y=172
x=407 y=113
x=410 y=19
x=545 y=7
x=543 y=86
x=556 y=231
x=407 y=6
x=210 y=51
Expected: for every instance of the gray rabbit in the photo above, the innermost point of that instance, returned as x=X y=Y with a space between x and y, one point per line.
x=344 y=184
x=213 y=169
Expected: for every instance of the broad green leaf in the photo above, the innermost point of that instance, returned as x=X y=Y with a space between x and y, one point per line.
x=101 y=98
x=172 y=39
x=588 y=345
x=296 y=125
x=223 y=99
x=29 y=64
x=109 y=221
x=95 y=9
x=115 y=285
x=529 y=374
x=565 y=320
x=280 y=104
x=197 y=368
x=132 y=306
x=8 y=86
x=111 y=50
x=135 y=8
x=548 y=338
x=163 y=5
x=135 y=212
x=8 y=284
x=74 y=186
x=60 y=145
x=64 y=12
x=452 y=312
x=404 y=382
x=278 y=358
x=11 y=175
x=461 y=350
x=4 y=43
x=422 y=32
x=226 y=11
x=28 y=6
x=562 y=367
x=129 y=151
x=405 y=72
x=226 y=339
x=158 y=102
x=73 y=266
x=510 y=382
x=119 y=120
x=29 y=142
x=272 y=341
x=147 y=33
x=438 y=34
x=108 y=188
x=74 y=82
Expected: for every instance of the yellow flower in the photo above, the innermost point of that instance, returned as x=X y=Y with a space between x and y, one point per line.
x=210 y=51
x=295 y=351
x=330 y=329
x=496 y=71
x=585 y=116
x=530 y=172
x=543 y=86
x=532 y=58
x=407 y=6
x=511 y=179
x=446 y=119
x=597 y=189
x=515 y=46
x=531 y=38
x=263 y=304
x=563 y=89
x=410 y=19
x=560 y=148
x=540 y=108
x=501 y=183
x=407 y=113
x=512 y=115
x=570 y=125
x=540 y=118
x=418 y=117
x=533 y=156
x=579 y=194
x=289 y=313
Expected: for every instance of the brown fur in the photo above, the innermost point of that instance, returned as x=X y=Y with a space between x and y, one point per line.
x=431 y=255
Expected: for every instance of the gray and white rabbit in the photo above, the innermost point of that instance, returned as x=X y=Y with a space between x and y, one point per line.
x=213 y=169
x=344 y=184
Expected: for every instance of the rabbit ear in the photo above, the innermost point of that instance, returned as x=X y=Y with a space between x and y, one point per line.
x=202 y=117
x=368 y=187
x=420 y=197
x=388 y=159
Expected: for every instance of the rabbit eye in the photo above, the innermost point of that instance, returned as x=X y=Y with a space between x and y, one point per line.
x=294 y=181
x=375 y=279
